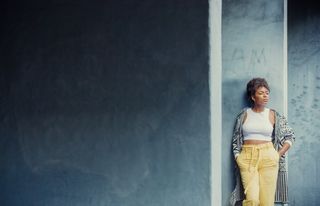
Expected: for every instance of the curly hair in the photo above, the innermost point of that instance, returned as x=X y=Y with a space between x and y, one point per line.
x=255 y=84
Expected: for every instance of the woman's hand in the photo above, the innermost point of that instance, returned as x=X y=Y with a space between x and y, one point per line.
x=284 y=149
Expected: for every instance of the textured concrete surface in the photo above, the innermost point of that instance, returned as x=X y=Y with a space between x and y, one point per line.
x=304 y=102
x=104 y=103
x=252 y=46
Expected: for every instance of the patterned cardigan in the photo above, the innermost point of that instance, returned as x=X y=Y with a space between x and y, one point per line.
x=282 y=132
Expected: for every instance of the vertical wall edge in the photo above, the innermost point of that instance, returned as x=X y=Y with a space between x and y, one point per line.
x=215 y=84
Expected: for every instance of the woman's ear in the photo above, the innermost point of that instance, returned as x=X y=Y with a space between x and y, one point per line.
x=253 y=99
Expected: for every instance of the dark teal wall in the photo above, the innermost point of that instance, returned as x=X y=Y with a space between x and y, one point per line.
x=108 y=103
x=304 y=105
x=104 y=103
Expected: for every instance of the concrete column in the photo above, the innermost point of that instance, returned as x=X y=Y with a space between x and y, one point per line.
x=252 y=46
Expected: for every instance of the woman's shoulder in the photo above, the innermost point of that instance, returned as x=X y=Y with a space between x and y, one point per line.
x=242 y=112
x=272 y=111
x=277 y=114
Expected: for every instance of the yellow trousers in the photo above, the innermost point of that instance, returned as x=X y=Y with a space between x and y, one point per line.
x=259 y=165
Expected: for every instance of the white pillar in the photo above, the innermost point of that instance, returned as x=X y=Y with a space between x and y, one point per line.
x=215 y=66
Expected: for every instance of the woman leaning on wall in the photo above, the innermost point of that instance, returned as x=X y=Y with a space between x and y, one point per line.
x=261 y=138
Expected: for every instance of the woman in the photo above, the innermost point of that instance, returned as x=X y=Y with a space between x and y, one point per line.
x=260 y=141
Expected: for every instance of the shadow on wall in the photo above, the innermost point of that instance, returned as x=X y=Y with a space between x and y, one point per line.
x=234 y=99
x=234 y=95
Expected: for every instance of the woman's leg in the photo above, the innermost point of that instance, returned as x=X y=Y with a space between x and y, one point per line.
x=247 y=161
x=268 y=171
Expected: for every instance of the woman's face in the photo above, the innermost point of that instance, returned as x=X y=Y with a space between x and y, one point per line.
x=261 y=97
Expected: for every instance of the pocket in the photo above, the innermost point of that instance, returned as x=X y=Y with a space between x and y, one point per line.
x=277 y=155
x=244 y=158
x=239 y=156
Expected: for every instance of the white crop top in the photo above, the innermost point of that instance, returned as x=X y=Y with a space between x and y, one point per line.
x=257 y=126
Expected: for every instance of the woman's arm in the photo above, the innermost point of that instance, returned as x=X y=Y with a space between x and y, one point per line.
x=237 y=134
x=284 y=149
x=287 y=136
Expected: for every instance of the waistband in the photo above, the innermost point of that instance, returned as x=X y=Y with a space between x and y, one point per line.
x=259 y=146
